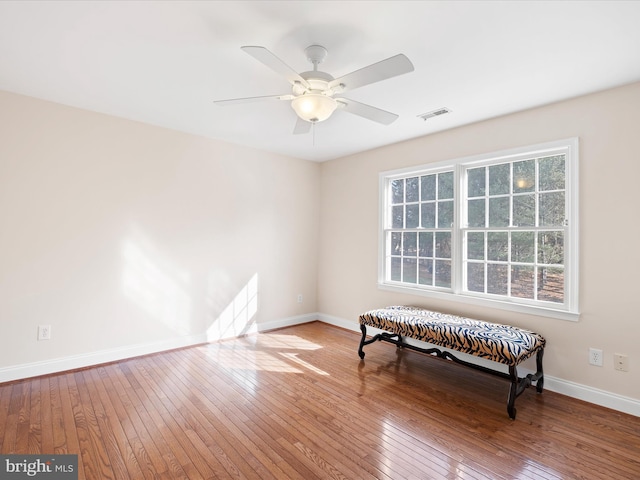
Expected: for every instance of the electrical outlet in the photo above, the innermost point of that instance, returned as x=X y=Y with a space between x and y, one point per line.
x=44 y=332
x=299 y=298
x=595 y=357
x=621 y=362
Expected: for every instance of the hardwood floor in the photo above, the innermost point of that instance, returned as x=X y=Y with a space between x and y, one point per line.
x=298 y=403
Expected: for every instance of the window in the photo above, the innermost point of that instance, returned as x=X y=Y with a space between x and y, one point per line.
x=497 y=229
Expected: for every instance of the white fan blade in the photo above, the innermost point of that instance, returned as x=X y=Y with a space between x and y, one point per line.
x=274 y=63
x=367 y=111
x=234 y=101
x=302 y=126
x=391 y=67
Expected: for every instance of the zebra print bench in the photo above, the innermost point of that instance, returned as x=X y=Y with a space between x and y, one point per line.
x=500 y=343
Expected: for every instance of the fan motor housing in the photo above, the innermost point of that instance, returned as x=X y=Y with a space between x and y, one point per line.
x=318 y=81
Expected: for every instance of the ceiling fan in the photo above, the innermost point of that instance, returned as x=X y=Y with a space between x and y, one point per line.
x=315 y=95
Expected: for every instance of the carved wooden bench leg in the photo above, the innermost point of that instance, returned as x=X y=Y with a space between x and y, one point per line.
x=519 y=385
x=539 y=373
x=363 y=328
x=394 y=338
x=513 y=392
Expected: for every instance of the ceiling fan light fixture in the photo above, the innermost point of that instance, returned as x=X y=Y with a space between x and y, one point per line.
x=314 y=107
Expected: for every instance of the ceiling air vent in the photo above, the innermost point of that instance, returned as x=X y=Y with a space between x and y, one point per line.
x=434 y=113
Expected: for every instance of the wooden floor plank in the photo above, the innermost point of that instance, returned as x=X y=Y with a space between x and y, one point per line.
x=65 y=430
x=22 y=409
x=46 y=412
x=299 y=403
x=35 y=418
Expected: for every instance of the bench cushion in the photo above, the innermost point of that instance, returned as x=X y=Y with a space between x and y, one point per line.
x=500 y=343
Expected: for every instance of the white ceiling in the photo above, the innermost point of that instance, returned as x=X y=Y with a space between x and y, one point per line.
x=164 y=63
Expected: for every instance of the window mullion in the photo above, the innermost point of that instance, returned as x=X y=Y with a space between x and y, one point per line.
x=457 y=232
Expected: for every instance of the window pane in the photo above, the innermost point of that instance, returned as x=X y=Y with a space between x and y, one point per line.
x=443 y=244
x=522 y=282
x=425 y=272
x=429 y=215
x=551 y=285
x=409 y=244
x=498 y=246
x=397 y=215
x=551 y=248
x=428 y=186
x=524 y=210
x=412 y=189
x=445 y=185
x=396 y=269
x=524 y=176
x=499 y=212
x=551 y=209
x=409 y=270
x=476 y=182
x=397 y=191
x=413 y=216
x=497 y=279
x=499 y=179
x=445 y=214
x=475 y=245
x=425 y=242
x=475 y=277
x=396 y=243
x=522 y=247
x=476 y=213
x=552 y=173
x=443 y=273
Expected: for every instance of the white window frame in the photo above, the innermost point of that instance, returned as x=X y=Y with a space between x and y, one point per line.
x=569 y=310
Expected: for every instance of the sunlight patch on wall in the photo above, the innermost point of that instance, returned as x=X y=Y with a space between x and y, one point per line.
x=148 y=284
x=237 y=318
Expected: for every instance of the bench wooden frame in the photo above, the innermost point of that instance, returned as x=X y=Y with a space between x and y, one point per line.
x=406 y=321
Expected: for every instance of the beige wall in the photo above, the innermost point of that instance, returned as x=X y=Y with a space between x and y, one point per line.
x=608 y=124
x=120 y=234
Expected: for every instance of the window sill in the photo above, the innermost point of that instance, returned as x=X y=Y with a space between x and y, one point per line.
x=484 y=302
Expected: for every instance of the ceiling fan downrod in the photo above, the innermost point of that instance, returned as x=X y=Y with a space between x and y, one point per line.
x=316 y=55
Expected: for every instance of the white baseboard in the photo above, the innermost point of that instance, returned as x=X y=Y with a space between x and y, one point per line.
x=553 y=384
x=593 y=395
x=288 y=322
x=73 y=362
x=339 y=322
x=19 y=372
